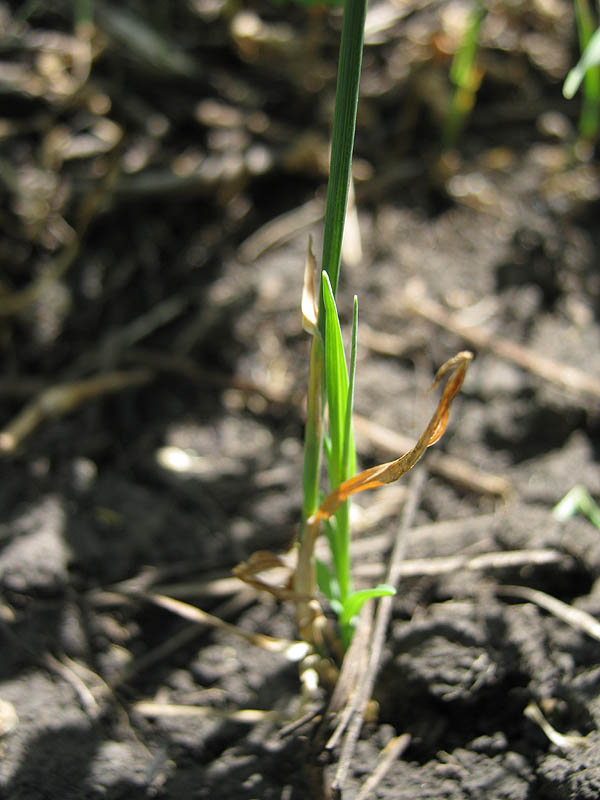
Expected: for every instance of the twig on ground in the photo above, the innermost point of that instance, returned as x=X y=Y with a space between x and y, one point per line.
x=250 y=716
x=88 y=702
x=136 y=330
x=177 y=364
x=294 y=650
x=141 y=586
x=572 y=616
x=393 y=750
x=281 y=229
x=210 y=588
x=61 y=399
x=309 y=716
x=443 y=565
x=391 y=344
x=77 y=675
x=382 y=618
x=453 y=469
x=533 y=712
x=352 y=674
x=582 y=384
x=437 y=532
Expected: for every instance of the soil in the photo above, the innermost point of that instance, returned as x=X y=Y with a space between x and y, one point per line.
x=137 y=206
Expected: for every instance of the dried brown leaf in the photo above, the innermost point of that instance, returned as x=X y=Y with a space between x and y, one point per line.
x=310 y=618
x=310 y=298
x=393 y=470
x=265 y=561
x=300 y=588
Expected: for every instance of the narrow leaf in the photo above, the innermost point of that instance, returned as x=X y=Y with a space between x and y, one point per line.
x=349 y=456
x=336 y=378
x=464 y=59
x=342 y=141
x=355 y=601
x=589 y=58
x=577 y=499
x=393 y=470
x=455 y=369
x=325 y=580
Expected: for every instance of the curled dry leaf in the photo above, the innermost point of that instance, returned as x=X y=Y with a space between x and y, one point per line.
x=280 y=574
x=393 y=470
x=310 y=618
x=310 y=298
x=312 y=624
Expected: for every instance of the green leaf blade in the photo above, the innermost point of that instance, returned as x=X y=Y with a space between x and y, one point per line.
x=342 y=140
x=336 y=381
x=355 y=601
x=349 y=454
x=589 y=58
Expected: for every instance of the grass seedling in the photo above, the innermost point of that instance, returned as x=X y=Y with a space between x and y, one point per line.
x=586 y=71
x=577 y=499
x=331 y=386
x=465 y=75
x=329 y=382
x=341 y=466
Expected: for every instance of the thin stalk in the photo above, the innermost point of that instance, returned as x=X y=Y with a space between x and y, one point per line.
x=589 y=120
x=342 y=144
x=83 y=13
x=327 y=372
x=342 y=140
x=341 y=458
x=342 y=517
x=466 y=76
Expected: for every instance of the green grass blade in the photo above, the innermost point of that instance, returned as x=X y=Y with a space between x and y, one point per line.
x=344 y=124
x=326 y=581
x=577 y=499
x=336 y=381
x=348 y=469
x=349 y=455
x=330 y=380
x=356 y=600
x=313 y=432
x=589 y=118
x=464 y=58
x=342 y=142
x=589 y=58
x=353 y=604
x=341 y=451
x=466 y=77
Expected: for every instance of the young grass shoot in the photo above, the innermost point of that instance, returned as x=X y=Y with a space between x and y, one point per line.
x=586 y=72
x=331 y=383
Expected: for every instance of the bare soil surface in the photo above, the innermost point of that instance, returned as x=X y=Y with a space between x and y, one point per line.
x=158 y=188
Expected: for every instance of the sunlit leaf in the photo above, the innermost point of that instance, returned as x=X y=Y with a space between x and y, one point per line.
x=393 y=470
x=336 y=377
x=589 y=58
x=575 y=500
x=355 y=601
x=307 y=608
x=349 y=455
